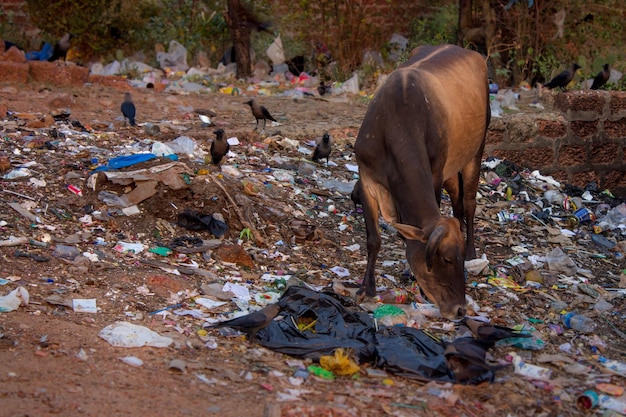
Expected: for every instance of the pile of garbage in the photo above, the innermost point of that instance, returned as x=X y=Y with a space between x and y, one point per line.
x=175 y=75
x=256 y=231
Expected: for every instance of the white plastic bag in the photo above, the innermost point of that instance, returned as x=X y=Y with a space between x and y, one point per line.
x=175 y=59
x=14 y=299
x=124 y=334
x=275 y=51
x=352 y=85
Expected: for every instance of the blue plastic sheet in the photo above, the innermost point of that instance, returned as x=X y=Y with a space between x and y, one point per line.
x=43 y=55
x=129 y=160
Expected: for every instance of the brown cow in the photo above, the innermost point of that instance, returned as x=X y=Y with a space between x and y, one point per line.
x=425 y=129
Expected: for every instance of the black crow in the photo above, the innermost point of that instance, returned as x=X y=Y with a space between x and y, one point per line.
x=228 y=57
x=251 y=323
x=61 y=47
x=564 y=78
x=602 y=77
x=296 y=65
x=465 y=358
x=128 y=109
x=219 y=147
x=355 y=195
x=8 y=45
x=490 y=333
x=323 y=88
x=260 y=113
x=322 y=150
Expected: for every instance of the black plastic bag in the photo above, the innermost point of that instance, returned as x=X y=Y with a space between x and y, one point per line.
x=402 y=351
x=196 y=221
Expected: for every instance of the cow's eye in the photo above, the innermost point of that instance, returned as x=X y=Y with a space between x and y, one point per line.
x=447 y=261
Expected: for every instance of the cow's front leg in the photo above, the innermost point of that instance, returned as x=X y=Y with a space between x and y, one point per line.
x=370 y=214
x=453 y=186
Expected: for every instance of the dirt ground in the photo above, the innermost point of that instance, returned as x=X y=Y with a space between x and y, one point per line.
x=54 y=363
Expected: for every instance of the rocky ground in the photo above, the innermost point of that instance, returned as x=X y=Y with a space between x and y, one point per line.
x=54 y=362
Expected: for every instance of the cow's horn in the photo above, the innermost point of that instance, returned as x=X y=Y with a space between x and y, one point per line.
x=433 y=243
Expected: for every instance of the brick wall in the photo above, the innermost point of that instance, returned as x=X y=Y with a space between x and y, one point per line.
x=14 y=14
x=582 y=140
x=15 y=8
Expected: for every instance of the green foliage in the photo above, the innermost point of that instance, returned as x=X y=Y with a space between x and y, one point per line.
x=546 y=64
x=198 y=25
x=88 y=21
x=593 y=34
x=98 y=25
x=245 y=233
x=131 y=71
x=525 y=47
x=103 y=26
x=436 y=28
x=347 y=27
x=9 y=30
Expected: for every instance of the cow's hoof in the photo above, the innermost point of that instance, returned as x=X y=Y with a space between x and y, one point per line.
x=363 y=294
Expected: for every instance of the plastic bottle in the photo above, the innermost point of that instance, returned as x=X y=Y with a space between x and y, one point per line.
x=558 y=306
x=397 y=296
x=579 y=322
x=64 y=251
x=587 y=400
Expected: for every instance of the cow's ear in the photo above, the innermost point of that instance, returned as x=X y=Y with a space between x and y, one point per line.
x=411 y=232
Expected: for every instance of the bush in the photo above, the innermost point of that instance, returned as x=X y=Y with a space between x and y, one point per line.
x=102 y=27
x=436 y=28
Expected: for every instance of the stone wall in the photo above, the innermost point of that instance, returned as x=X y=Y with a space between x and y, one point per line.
x=582 y=140
x=14 y=68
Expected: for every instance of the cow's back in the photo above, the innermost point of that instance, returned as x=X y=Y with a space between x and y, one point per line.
x=431 y=110
x=458 y=78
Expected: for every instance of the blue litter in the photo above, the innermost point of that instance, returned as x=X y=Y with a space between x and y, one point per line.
x=43 y=55
x=126 y=161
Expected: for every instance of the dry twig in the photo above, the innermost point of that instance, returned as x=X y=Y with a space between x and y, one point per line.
x=257 y=238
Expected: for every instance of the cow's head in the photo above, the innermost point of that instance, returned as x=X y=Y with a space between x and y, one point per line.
x=436 y=255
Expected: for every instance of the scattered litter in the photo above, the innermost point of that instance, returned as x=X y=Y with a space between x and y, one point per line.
x=530 y=371
x=208 y=303
x=124 y=334
x=132 y=361
x=84 y=305
x=340 y=271
x=14 y=299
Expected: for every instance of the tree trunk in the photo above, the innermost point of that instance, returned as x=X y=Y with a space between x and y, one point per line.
x=240 y=30
x=480 y=37
x=465 y=21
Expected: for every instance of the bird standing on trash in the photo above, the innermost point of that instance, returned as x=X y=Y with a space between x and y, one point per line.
x=323 y=88
x=251 y=323
x=260 y=113
x=466 y=359
x=128 y=109
x=490 y=333
x=564 y=78
x=355 y=195
x=61 y=48
x=219 y=147
x=602 y=77
x=322 y=150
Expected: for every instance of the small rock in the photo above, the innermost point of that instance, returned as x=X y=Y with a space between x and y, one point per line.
x=61 y=100
x=13 y=55
x=235 y=254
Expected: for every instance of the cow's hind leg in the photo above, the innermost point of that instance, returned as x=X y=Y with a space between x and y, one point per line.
x=370 y=214
x=471 y=175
